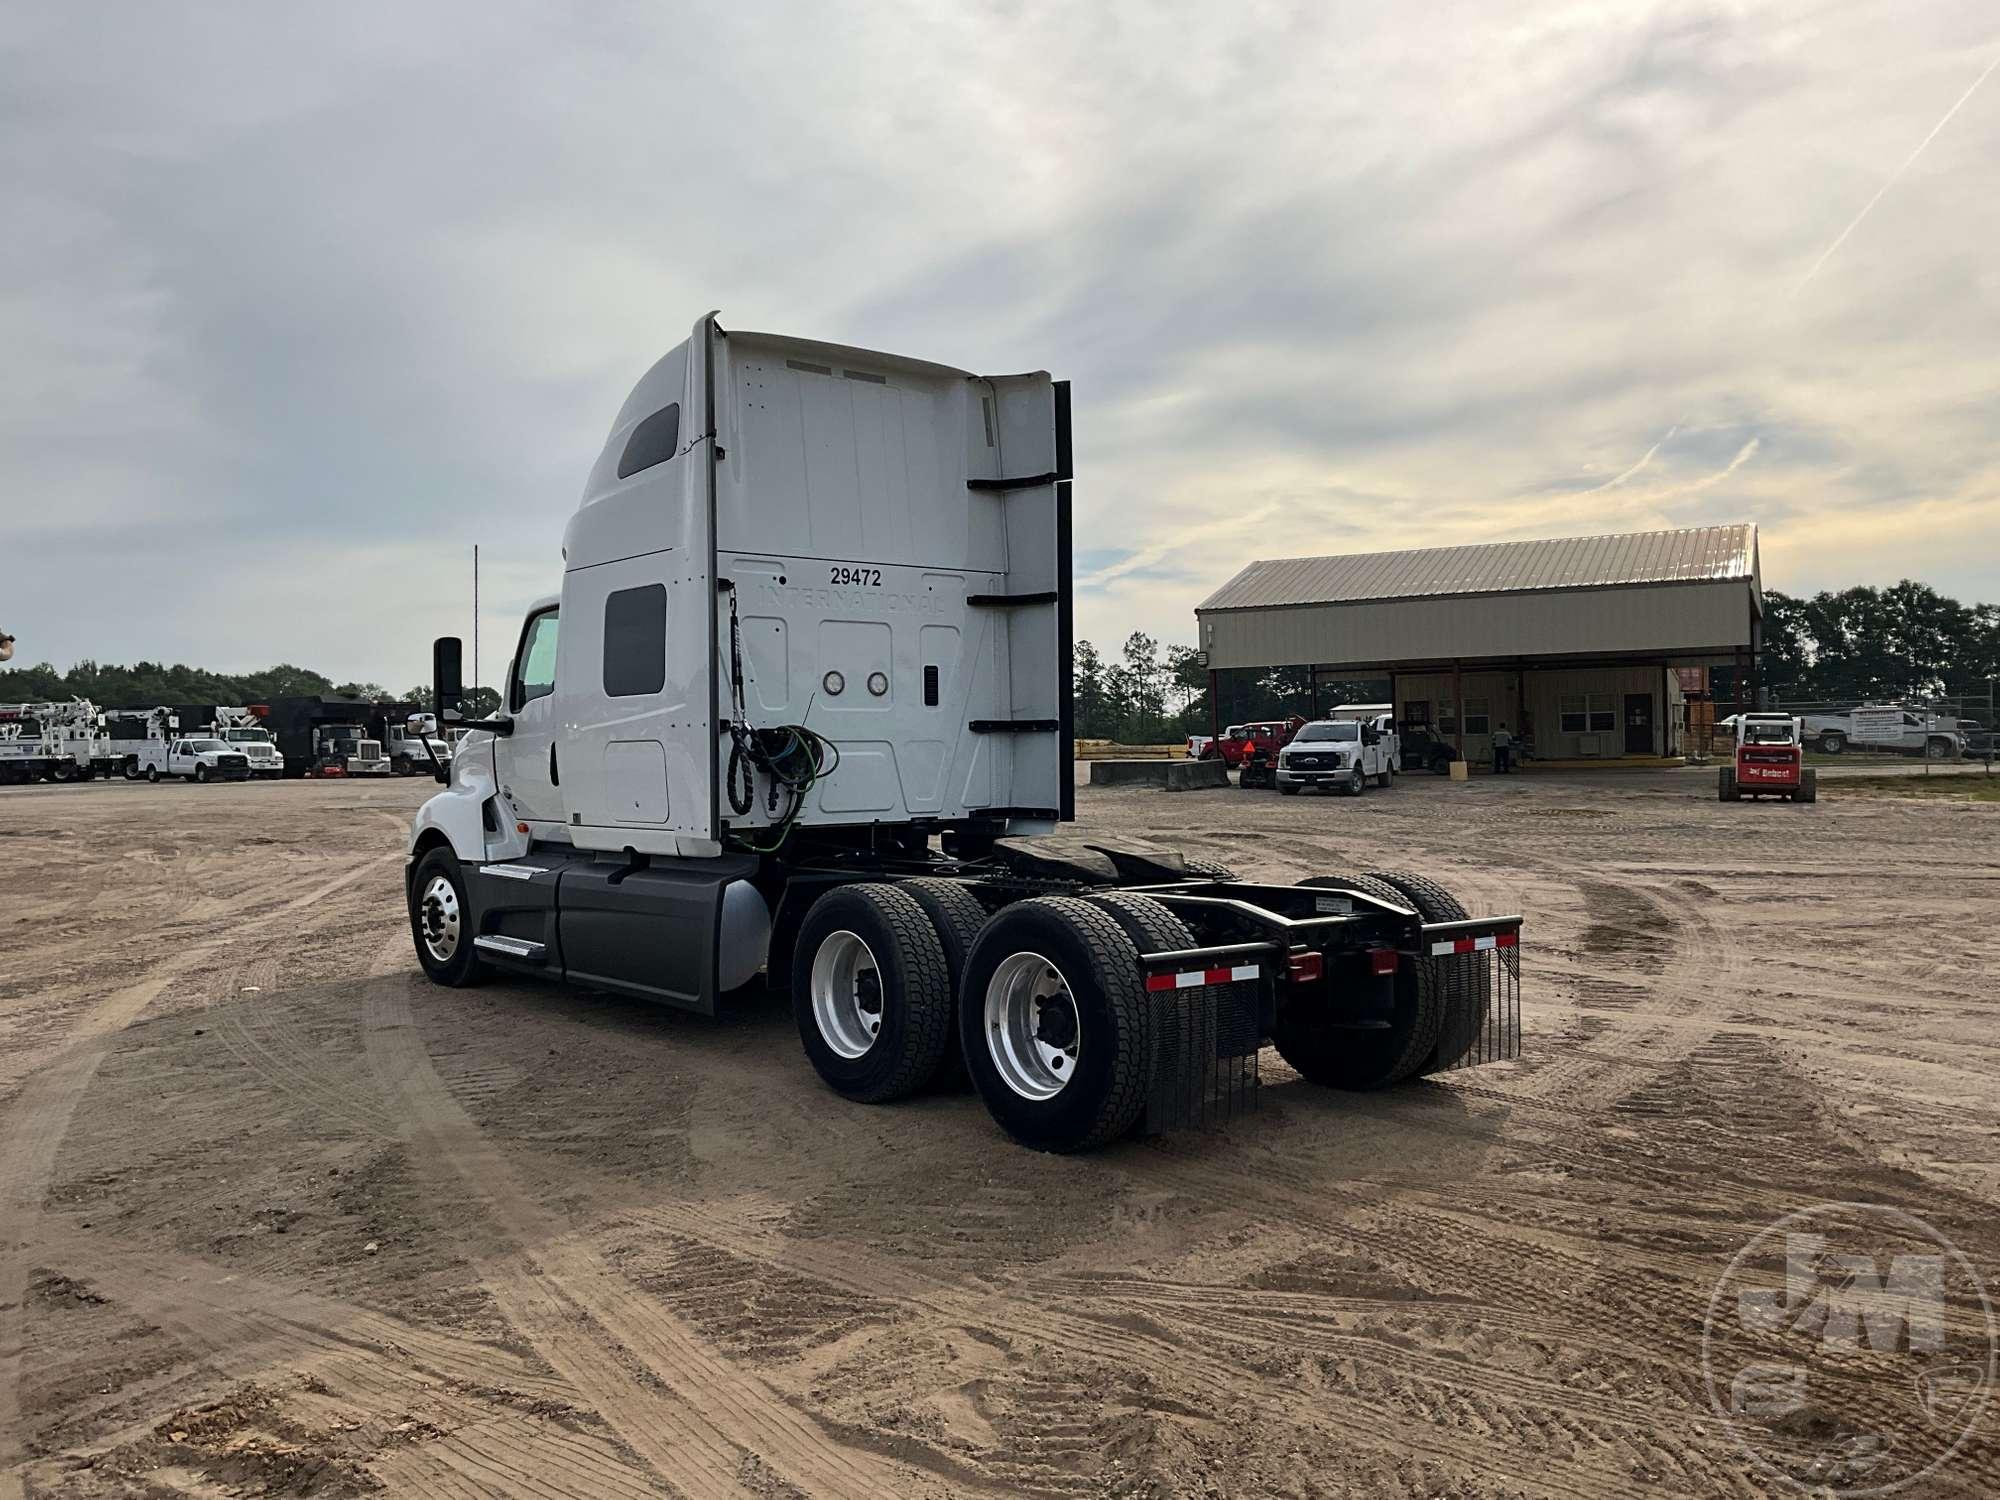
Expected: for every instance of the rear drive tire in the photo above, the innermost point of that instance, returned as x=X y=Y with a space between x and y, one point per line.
x=1831 y=743
x=1808 y=786
x=1346 y=1058
x=1463 y=985
x=152 y=773
x=1054 y=1025
x=1183 y=1022
x=871 y=993
x=1206 y=869
x=1287 y=791
x=956 y=915
x=441 y=921
x=1725 y=784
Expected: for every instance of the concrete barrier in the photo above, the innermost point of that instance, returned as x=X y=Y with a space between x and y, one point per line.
x=1129 y=772
x=1196 y=775
x=1169 y=775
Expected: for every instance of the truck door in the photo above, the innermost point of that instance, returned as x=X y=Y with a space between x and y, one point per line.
x=526 y=759
x=630 y=743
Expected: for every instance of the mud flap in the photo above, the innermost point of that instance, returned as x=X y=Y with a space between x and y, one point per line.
x=1477 y=964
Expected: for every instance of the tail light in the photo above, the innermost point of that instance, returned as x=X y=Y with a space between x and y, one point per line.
x=1306 y=968
x=1383 y=961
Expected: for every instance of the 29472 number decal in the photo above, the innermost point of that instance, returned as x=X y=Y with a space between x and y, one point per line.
x=866 y=577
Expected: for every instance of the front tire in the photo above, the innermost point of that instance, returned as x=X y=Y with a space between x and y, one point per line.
x=441 y=921
x=1725 y=784
x=1054 y=1024
x=1355 y=784
x=871 y=993
x=201 y=774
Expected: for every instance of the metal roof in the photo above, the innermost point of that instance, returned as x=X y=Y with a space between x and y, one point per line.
x=1697 y=554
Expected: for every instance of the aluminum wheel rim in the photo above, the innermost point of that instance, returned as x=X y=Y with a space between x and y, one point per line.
x=847 y=997
x=1034 y=1032
x=438 y=914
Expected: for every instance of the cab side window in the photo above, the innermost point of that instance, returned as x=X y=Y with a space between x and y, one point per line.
x=535 y=664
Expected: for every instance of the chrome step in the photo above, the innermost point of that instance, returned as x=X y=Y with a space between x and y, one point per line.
x=511 y=947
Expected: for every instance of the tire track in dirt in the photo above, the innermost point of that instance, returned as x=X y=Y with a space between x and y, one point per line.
x=710 y=1420
x=39 y=1117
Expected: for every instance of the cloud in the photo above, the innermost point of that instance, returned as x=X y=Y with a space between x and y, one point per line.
x=294 y=309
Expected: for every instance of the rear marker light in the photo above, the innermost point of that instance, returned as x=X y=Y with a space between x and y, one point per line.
x=1476 y=945
x=1192 y=978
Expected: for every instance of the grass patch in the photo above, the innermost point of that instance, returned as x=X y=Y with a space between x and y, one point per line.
x=1923 y=788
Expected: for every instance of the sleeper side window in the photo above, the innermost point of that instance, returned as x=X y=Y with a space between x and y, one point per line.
x=653 y=441
x=635 y=641
x=535 y=666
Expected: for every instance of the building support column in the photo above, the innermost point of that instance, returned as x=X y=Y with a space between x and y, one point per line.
x=1214 y=705
x=1458 y=707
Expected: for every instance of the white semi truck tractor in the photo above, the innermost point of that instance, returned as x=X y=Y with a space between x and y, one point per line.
x=801 y=709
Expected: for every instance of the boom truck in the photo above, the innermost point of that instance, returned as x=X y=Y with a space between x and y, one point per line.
x=801 y=708
x=54 y=741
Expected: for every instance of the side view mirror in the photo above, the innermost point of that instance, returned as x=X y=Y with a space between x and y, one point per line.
x=448 y=677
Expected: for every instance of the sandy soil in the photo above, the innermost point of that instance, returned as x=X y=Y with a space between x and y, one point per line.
x=280 y=1218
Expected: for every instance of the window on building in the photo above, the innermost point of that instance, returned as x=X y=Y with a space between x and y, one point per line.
x=1603 y=713
x=635 y=641
x=653 y=441
x=1477 y=716
x=1447 y=719
x=1574 y=713
x=535 y=666
x=1417 y=713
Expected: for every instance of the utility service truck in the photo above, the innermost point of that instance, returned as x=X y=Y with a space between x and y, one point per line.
x=1885 y=726
x=54 y=742
x=194 y=758
x=801 y=709
x=1346 y=755
x=409 y=739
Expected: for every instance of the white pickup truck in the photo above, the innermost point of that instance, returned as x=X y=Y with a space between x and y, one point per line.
x=1890 y=727
x=193 y=760
x=1342 y=755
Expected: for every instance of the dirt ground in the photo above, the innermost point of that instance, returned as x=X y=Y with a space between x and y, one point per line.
x=280 y=1218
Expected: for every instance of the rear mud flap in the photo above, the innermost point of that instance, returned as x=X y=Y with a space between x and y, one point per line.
x=1206 y=1040
x=1479 y=978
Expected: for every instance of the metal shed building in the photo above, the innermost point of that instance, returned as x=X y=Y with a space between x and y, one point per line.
x=1571 y=642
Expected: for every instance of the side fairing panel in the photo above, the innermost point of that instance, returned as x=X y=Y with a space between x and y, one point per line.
x=637 y=735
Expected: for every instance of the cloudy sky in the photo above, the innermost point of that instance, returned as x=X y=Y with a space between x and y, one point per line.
x=297 y=303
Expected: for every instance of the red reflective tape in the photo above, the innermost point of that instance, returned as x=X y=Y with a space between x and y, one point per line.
x=1159 y=981
x=1508 y=940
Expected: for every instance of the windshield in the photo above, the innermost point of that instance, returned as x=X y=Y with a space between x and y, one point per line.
x=1349 y=732
x=200 y=745
x=248 y=736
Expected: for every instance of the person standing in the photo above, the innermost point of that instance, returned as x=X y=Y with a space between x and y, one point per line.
x=1503 y=750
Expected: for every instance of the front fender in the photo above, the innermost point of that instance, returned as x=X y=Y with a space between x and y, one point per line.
x=458 y=812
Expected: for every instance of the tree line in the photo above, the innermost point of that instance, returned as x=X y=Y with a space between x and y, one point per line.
x=147 y=684
x=1906 y=641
